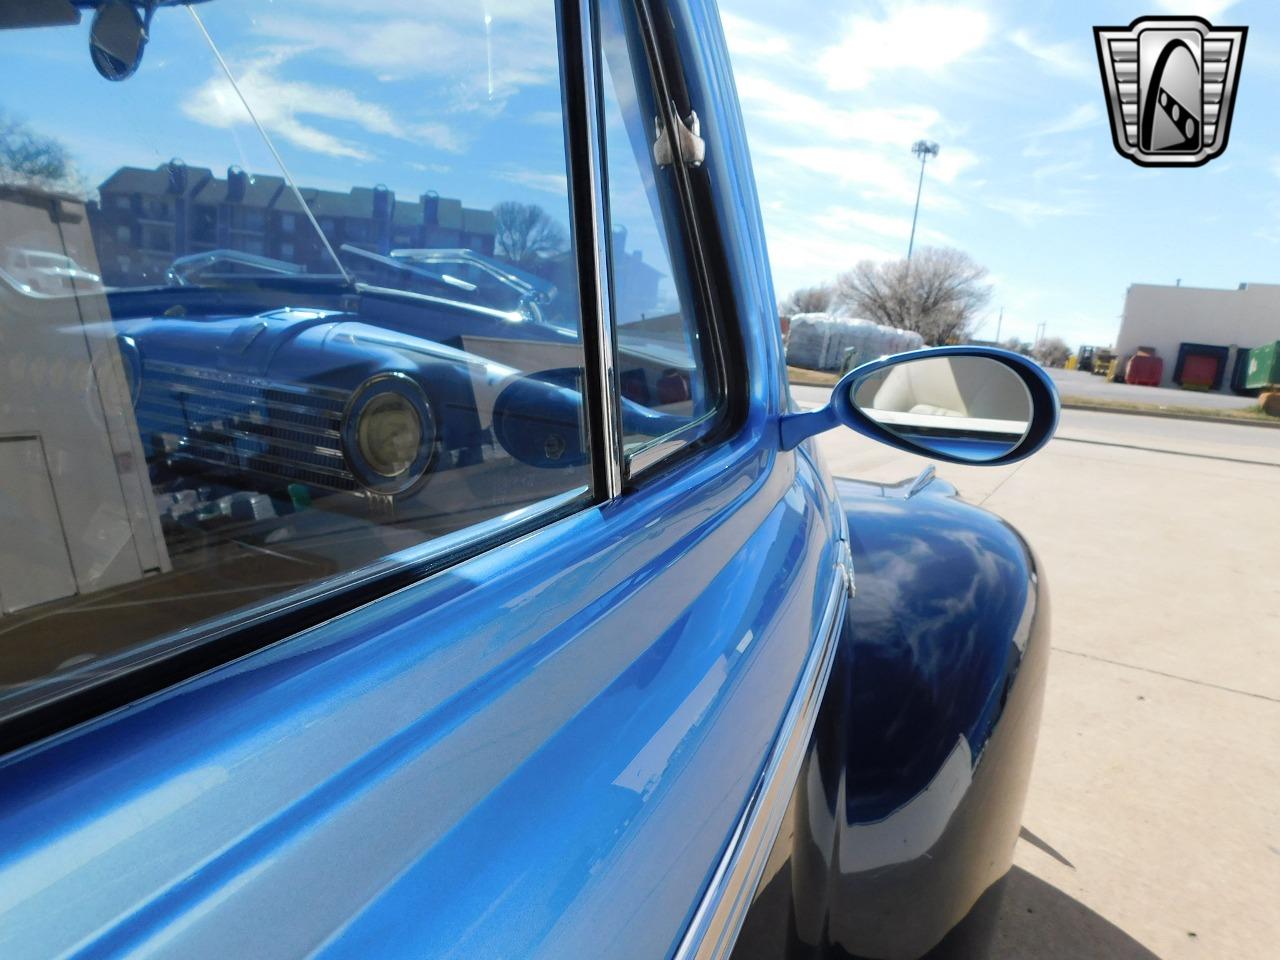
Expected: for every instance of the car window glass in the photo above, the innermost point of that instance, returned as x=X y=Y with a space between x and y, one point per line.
x=285 y=290
x=665 y=369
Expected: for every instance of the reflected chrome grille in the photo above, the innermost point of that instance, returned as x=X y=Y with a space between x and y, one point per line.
x=283 y=430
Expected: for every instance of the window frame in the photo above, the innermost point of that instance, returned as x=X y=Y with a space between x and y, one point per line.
x=711 y=314
x=62 y=703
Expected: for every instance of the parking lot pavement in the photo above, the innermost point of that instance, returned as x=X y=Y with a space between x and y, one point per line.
x=1152 y=826
x=1086 y=385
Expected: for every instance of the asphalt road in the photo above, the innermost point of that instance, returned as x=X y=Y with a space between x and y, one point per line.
x=1077 y=384
x=1152 y=825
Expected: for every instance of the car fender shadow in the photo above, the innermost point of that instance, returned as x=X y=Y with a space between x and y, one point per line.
x=1034 y=920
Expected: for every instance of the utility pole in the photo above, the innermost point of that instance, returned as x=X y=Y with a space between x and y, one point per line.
x=999 y=324
x=924 y=149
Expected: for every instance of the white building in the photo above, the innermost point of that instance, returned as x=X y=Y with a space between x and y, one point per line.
x=1164 y=317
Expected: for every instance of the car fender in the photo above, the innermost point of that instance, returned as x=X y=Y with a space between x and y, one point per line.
x=909 y=802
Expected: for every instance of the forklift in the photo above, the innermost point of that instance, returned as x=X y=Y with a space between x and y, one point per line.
x=1099 y=361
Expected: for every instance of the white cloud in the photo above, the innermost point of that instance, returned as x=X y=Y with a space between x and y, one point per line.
x=289 y=109
x=951 y=163
x=800 y=254
x=1085 y=115
x=1030 y=212
x=555 y=183
x=893 y=226
x=765 y=98
x=1200 y=8
x=870 y=170
x=1075 y=169
x=746 y=38
x=917 y=36
x=479 y=60
x=1068 y=59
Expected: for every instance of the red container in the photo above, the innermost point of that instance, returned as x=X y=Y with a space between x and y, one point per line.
x=1144 y=370
x=1199 y=371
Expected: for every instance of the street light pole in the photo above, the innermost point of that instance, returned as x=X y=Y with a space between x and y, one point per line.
x=922 y=149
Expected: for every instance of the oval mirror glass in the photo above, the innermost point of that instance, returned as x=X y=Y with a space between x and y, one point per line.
x=968 y=408
x=117 y=38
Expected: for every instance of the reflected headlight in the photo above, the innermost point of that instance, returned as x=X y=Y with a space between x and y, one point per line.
x=389 y=434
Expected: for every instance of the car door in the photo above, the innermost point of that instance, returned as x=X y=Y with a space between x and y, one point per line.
x=569 y=729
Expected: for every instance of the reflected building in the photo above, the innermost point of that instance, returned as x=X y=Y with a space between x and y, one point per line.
x=145 y=219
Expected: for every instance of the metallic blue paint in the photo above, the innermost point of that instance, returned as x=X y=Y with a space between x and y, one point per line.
x=543 y=750
x=910 y=801
x=527 y=733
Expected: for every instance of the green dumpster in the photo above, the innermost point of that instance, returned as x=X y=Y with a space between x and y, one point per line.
x=1264 y=367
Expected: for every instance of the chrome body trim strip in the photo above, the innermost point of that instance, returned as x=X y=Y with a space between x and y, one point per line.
x=236 y=429
x=246 y=381
x=714 y=929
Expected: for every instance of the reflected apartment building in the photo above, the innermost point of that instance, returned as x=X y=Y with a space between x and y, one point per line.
x=145 y=219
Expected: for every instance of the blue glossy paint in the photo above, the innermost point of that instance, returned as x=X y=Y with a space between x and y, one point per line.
x=525 y=733
x=544 y=750
x=910 y=802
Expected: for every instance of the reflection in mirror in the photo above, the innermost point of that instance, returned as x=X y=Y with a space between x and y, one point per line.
x=971 y=408
x=117 y=39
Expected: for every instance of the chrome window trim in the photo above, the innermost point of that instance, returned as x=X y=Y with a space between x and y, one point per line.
x=706 y=308
x=714 y=929
x=604 y=402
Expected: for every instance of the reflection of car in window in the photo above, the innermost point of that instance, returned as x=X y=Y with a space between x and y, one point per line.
x=48 y=273
x=221 y=266
x=459 y=274
x=343 y=401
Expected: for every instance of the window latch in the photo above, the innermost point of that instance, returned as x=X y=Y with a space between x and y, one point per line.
x=689 y=145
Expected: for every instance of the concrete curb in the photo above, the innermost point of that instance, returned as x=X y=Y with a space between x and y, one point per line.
x=1165 y=415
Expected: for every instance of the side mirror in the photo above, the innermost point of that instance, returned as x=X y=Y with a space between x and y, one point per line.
x=971 y=405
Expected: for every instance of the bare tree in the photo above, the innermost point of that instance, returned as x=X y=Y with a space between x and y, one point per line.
x=938 y=294
x=28 y=159
x=817 y=299
x=1051 y=351
x=1017 y=346
x=524 y=233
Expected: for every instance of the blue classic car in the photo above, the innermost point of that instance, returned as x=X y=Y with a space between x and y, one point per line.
x=408 y=613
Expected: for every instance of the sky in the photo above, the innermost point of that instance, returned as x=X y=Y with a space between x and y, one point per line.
x=459 y=97
x=462 y=97
x=1027 y=181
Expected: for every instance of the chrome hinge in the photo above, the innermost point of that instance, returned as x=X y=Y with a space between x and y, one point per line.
x=690 y=146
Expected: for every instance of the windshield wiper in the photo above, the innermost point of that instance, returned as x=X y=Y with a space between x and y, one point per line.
x=181 y=272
